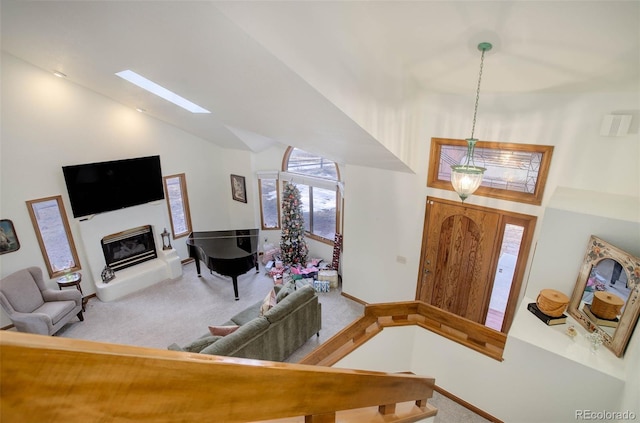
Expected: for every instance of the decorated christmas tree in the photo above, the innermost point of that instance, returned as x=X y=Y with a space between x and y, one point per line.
x=293 y=247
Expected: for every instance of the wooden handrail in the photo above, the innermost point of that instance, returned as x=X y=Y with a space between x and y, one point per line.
x=379 y=316
x=58 y=379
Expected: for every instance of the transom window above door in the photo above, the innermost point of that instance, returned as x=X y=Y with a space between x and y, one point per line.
x=516 y=172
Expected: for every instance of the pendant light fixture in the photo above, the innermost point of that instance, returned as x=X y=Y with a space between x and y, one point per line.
x=467 y=177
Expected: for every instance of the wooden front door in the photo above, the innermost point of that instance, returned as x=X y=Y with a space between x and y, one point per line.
x=458 y=258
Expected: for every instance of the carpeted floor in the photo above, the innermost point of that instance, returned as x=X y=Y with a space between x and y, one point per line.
x=181 y=310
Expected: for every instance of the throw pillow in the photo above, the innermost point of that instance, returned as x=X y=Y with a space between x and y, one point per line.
x=222 y=330
x=268 y=302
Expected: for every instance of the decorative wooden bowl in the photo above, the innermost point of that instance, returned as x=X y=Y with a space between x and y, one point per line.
x=552 y=303
x=606 y=305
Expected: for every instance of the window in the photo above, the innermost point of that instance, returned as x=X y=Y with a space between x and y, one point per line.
x=50 y=222
x=269 y=201
x=175 y=186
x=317 y=179
x=516 y=172
x=505 y=276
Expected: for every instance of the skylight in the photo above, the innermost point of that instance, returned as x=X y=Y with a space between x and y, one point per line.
x=160 y=91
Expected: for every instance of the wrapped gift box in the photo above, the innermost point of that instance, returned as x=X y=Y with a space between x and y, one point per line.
x=321 y=286
x=329 y=275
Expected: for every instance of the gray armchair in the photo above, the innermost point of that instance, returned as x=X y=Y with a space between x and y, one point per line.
x=33 y=307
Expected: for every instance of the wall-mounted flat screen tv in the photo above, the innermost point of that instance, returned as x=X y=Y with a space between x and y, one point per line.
x=100 y=187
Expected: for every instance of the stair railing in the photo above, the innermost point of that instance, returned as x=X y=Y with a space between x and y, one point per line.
x=379 y=316
x=57 y=379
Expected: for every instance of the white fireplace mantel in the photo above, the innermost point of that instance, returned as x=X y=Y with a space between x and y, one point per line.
x=135 y=278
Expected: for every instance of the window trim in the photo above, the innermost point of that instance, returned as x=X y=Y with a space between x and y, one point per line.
x=500 y=193
x=528 y=223
x=185 y=204
x=277 y=185
x=307 y=180
x=65 y=223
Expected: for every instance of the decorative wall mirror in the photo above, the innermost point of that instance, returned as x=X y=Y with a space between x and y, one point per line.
x=606 y=297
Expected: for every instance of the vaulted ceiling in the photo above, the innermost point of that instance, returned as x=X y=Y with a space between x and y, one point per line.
x=297 y=72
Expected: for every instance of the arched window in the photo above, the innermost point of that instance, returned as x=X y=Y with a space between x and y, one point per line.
x=318 y=180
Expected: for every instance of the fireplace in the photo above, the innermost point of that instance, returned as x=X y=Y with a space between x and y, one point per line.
x=128 y=248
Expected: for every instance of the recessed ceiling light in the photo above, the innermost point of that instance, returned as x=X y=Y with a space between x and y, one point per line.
x=140 y=109
x=160 y=91
x=59 y=74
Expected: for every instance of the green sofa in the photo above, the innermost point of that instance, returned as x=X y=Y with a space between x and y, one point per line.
x=272 y=336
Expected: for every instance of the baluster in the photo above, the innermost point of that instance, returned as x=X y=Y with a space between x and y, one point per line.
x=321 y=418
x=387 y=409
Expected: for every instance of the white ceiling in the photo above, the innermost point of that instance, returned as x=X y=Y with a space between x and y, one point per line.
x=289 y=71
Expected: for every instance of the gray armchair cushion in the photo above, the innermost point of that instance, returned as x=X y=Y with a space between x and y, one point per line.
x=55 y=310
x=22 y=292
x=64 y=295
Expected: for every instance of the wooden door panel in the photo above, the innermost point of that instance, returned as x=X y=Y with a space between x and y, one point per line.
x=459 y=235
x=458 y=249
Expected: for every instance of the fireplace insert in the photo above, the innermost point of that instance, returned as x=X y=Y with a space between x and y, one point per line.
x=128 y=248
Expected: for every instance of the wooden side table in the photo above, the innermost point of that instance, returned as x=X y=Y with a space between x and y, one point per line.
x=72 y=279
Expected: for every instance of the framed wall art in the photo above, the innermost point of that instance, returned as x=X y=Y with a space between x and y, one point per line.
x=238 y=188
x=8 y=238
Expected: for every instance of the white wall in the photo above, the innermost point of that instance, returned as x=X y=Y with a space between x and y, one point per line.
x=568 y=223
x=530 y=385
x=630 y=399
x=384 y=213
x=49 y=122
x=385 y=210
x=384 y=221
x=563 y=242
x=389 y=351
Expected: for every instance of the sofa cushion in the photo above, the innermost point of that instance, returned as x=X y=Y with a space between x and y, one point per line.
x=197 y=345
x=290 y=303
x=284 y=291
x=230 y=343
x=245 y=315
x=174 y=347
x=222 y=330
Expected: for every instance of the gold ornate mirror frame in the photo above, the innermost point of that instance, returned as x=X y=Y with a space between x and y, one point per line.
x=615 y=332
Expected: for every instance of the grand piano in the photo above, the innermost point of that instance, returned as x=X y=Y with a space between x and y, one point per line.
x=228 y=253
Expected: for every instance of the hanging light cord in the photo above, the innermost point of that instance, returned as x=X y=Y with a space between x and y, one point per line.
x=475 y=110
